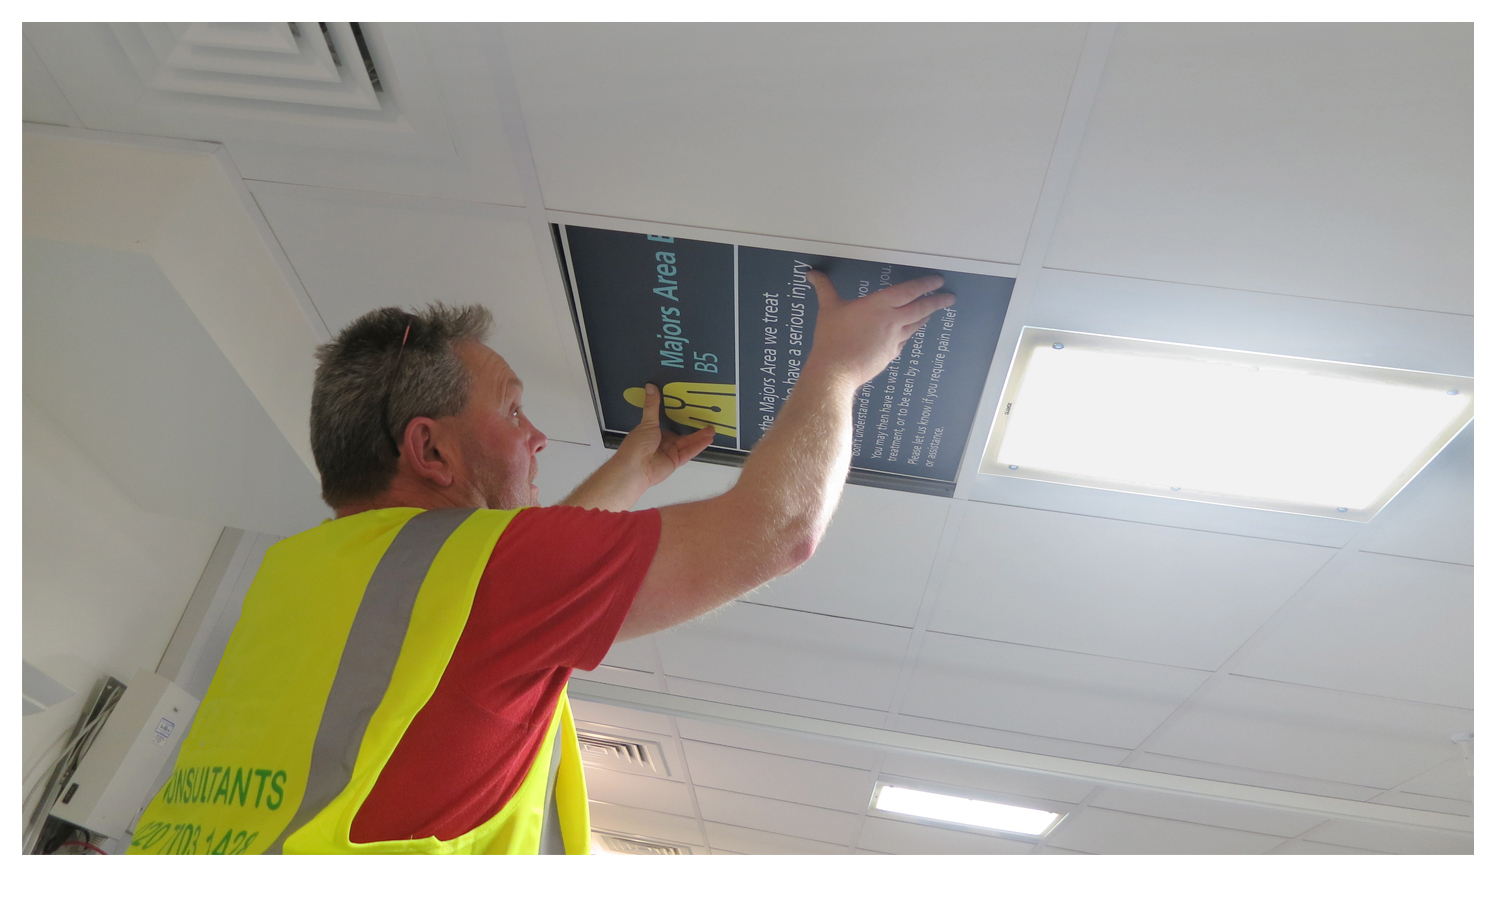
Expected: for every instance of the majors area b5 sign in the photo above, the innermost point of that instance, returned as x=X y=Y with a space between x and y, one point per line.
x=725 y=329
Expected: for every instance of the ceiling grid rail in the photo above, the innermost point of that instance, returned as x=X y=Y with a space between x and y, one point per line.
x=687 y=770
x=1070 y=133
x=512 y=119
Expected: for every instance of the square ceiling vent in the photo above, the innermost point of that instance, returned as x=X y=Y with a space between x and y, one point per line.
x=325 y=64
x=1230 y=427
x=607 y=843
x=623 y=753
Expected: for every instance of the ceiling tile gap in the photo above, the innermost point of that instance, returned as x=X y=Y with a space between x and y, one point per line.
x=1221 y=287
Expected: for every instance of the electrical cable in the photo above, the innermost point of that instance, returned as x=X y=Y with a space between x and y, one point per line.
x=89 y=724
x=34 y=823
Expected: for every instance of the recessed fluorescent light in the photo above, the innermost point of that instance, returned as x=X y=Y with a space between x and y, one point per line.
x=1222 y=426
x=963 y=810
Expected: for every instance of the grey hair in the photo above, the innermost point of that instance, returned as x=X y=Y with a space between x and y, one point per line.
x=356 y=432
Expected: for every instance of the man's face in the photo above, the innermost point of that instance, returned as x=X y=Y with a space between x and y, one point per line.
x=499 y=444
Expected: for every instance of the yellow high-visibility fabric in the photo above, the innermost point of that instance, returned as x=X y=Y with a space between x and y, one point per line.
x=243 y=766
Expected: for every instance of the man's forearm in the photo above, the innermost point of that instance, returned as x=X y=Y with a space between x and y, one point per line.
x=614 y=486
x=793 y=478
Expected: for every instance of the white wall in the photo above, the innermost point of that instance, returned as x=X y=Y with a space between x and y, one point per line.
x=104 y=581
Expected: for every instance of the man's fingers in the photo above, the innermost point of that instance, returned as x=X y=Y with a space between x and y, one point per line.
x=693 y=444
x=652 y=406
x=827 y=293
x=922 y=307
x=907 y=291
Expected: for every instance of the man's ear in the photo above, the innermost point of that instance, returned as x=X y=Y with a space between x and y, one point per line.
x=429 y=451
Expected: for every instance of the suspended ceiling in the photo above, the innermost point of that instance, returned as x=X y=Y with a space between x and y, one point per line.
x=1291 y=189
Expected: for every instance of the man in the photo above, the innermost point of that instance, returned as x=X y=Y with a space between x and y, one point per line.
x=396 y=681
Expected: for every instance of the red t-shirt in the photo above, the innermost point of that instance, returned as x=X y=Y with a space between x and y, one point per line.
x=551 y=600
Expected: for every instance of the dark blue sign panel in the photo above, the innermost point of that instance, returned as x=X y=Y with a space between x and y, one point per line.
x=724 y=331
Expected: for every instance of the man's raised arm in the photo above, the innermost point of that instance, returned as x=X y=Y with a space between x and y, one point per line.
x=770 y=522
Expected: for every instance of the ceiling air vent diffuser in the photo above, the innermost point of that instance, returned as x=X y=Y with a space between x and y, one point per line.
x=607 y=751
x=317 y=64
x=634 y=846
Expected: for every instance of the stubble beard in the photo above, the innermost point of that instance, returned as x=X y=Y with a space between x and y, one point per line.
x=490 y=487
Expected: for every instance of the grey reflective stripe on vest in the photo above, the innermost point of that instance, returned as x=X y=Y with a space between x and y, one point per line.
x=552 y=839
x=369 y=658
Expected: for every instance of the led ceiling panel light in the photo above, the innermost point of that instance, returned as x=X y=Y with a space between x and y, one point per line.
x=964 y=810
x=1220 y=426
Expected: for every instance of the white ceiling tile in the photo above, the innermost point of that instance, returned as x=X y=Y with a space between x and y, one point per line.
x=1433 y=518
x=638 y=655
x=778 y=816
x=797 y=706
x=899 y=768
x=1208 y=316
x=1010 y=740
x=895 y=836
x=1450 y=779
x=1281 y=781
x=694 y=481
x=779 y=777
x=1204 y=811
x=765 y=740
x=786 y=652
x=644 y=822
x=562 y=466
x=844 y=579
x=646 y=681
x=1390 y=838
x=1108 y=831
x=355 y=252
x=1120 y=589
x=1313 y=848
x=639 y=792
x=1376 y=625
x=1052 y=693
x=1316 y=160
x=41 y=99
x=751 y=841
x=797 y=130
x=1165 y=511
x=1313 y=732
x=1044 y=850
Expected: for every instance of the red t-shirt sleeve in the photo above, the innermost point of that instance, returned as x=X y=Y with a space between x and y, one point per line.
x=558 y=586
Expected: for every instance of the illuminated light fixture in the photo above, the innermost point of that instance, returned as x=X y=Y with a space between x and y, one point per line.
x=1220 y=426
x=964 y=811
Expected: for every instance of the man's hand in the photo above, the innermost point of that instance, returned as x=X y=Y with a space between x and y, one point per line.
x=858 y=338
x=645 y=458
x=656 y=453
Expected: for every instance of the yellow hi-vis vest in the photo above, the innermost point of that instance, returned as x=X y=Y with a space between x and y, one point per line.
x=344 y=636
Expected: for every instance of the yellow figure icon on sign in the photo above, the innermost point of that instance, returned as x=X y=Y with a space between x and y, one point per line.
x=695 y=405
